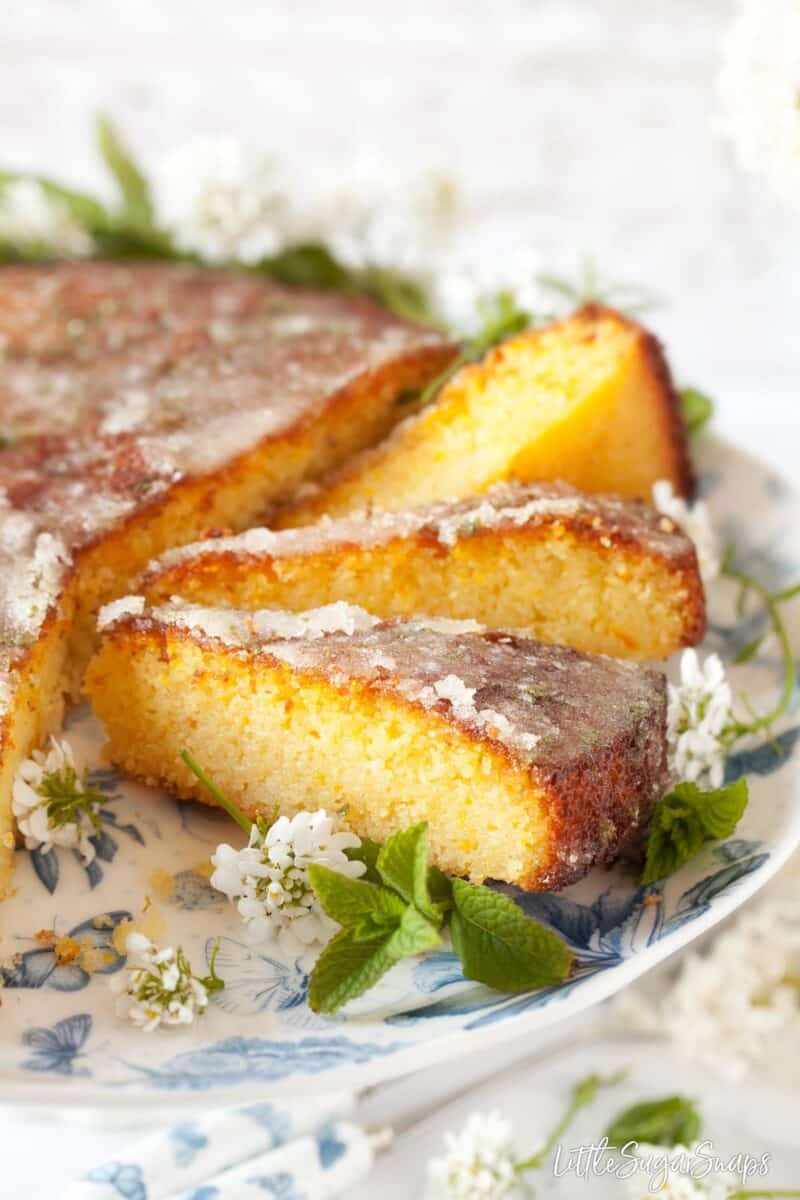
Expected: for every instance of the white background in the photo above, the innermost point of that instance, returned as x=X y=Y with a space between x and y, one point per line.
x=579 y=128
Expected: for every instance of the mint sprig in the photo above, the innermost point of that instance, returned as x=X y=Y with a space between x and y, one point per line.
x=685 y=819
x=670 y=1121
x=399 y=908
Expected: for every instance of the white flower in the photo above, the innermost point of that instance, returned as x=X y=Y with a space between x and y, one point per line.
x=34 y=221
x=695 y=522
x=157 y=987
x=759 y=92
x=269 y=878
x=464 y=291
x=736 y=1007
x=221 y=201
x=479 y=1163
x=377 y=217
x=38 y=780
x=677 y=1173
x=700 y=719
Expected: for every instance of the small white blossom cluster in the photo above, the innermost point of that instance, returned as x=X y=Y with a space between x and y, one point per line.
x=226 y=203
x=677 y=1173
x=759 y=92
x=157 y=987
x=464 y=292
x=695 y=521
x=268 y=879
x=30 y=805
x=34 y=221
x=700 y=719
x=479 y=1163
x=736 y=1007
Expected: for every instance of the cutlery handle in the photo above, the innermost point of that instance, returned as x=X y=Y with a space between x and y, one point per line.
x=181 y=1158
x=318 y=1167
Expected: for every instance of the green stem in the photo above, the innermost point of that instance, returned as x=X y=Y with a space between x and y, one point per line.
x=583 y=1094
x=771 y=602
x=221 y=799
x=788 y=593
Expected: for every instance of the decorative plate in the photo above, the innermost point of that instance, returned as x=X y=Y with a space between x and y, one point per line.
x=61 y=1043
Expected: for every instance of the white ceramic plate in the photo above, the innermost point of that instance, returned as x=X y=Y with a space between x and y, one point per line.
x=60 y=1042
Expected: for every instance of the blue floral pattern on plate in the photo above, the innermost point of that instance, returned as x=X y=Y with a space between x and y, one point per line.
x=259 y=1035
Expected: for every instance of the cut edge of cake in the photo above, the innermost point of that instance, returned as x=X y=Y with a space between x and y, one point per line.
x=499 y=802
x=598 y=573
x=622 y=435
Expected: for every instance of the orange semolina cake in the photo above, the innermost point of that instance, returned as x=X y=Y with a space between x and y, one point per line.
x=598 y=573
x=530 y=762
x=140 y=406
x=588 y=400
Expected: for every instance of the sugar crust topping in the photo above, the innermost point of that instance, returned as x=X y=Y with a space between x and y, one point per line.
x=505 y=506
x=117 y=381
x=539 y=701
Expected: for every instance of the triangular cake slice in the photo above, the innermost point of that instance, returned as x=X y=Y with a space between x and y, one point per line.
x=598 y=573
x=141 y=406
x=588 y=400
x=530 y=762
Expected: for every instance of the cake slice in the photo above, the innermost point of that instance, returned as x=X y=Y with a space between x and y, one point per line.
x=597 y=573
x=529 y=762
x=588 y=400
x=140 y=406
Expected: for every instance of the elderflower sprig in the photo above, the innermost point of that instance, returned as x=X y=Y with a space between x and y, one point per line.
x=157 y=987
x=700 y=723
x=268 y=879
x=53 y=805
x=481 y=1163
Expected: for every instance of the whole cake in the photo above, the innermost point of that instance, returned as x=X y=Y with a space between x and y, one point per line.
x=598 y=573
x=141 y=406
x=529 y=762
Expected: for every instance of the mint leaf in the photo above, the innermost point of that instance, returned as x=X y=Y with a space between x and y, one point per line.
x=133 y=186
x=403 y=865
x=686 y=818
x=367 y=853
x=351 y=964
x=499 y=946
x=672 y=1121
x=722 y=809
x=698 y=408
x=347 y=900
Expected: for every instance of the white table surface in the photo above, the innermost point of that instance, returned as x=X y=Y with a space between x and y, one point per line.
x=581 y=128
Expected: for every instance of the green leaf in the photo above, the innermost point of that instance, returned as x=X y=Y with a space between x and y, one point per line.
x=722 y=809
x=501 y=947
x=749 y=650
x=84 y=209
x=137 y=206
x=698 y=408
x=672 y=1121
x=367 y=853
x=347 y=900
x=403 y=865
x=686 y=818
x=350 y=965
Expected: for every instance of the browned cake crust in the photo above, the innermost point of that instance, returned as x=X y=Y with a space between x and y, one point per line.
x=141 y=405
x=596 y=572
x=584 y=736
